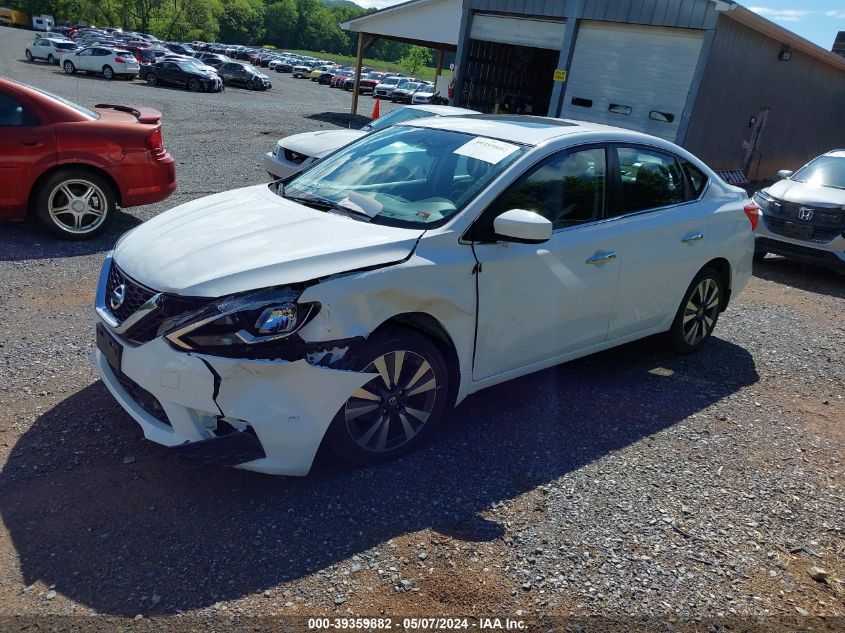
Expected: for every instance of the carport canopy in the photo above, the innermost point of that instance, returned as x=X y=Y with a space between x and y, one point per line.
x=433 y=24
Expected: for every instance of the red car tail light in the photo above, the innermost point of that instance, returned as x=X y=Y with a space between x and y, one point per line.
x=752 y=211
x=120 y=60
x=155 y=143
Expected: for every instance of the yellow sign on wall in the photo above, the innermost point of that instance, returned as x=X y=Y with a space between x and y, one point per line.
x=560 y=75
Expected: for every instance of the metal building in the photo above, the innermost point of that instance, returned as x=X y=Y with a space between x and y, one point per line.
x=736 y=89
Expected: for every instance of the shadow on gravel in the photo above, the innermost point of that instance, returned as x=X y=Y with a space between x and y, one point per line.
x=807 y=277
x=341 y=119
x=27 y=240
x=111 y=534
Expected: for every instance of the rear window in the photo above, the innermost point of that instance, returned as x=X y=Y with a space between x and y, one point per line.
x=70 y=104
x=146 y=54
x=66 y=46
x=125 y=54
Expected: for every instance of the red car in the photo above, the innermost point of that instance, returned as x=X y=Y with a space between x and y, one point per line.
x=144 y=54
x=70 y=167
x=369 y=82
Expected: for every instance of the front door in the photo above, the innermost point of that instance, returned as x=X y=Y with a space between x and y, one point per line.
x=538 y=302
x=27 y=148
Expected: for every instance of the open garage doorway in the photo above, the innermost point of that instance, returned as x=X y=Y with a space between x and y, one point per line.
x=508 y=78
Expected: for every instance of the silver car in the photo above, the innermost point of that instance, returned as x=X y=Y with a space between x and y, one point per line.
x=804 y=213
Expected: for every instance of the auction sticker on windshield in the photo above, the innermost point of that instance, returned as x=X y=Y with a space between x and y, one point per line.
x=487 y=149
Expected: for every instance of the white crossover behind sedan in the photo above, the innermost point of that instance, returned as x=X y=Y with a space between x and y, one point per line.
x=427 y=261
x=294 y=153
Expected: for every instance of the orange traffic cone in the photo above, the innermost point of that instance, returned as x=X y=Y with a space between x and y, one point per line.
x=376 y=113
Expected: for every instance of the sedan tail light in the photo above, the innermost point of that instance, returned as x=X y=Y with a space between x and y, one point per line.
x=752 y=211
x=155 y=143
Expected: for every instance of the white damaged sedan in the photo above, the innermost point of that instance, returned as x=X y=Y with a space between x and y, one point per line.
x=360 y=301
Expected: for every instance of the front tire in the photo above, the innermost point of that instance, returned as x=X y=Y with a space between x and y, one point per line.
x=193 y=85
x=151 y=80
x=698 y=313
x=108 y=72
x=75 y=204
x=395 y=411
x=69 y=68
x=29 y=57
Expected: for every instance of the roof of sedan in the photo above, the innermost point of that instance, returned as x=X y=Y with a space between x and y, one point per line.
x=528 y=130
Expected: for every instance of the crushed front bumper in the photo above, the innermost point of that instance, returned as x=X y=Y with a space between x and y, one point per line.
x=286 y=406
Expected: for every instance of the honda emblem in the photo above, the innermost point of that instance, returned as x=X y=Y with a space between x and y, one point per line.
x=805 y=213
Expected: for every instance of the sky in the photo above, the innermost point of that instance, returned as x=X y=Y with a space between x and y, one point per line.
x=816 y=20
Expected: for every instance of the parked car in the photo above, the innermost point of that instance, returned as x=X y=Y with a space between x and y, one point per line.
x=183 y=74
x=284 y=66
x=385 y=89
x=143 y=54
x=180 y=49
x=54 y=35
x=49 y=49
x=294 y=153
x=319 y=70
x=405 y=92
x=301 y=70
x=96 y=59
x=375 y=291
x=59 y=165
x=340 y=78
x=193 y=61
x=804 y=213
x=243 y=75
x=369 y=82
x=428 y=94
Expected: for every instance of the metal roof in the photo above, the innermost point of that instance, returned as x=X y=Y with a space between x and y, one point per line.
x=436 y=23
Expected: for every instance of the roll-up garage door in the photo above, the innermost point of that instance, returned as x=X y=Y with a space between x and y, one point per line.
x=634 y=77
x=518 y=31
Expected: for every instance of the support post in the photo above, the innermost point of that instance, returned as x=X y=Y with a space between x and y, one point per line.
x=359 y=61
x=439 y=69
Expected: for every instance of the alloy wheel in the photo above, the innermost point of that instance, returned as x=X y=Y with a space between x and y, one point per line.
x=77 y=206
x=69 y=68
x=108 y=73
x=391 y=409
x=701 y=311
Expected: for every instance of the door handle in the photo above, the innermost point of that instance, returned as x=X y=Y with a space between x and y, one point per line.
x=692 y=237
x=31 y=142
x=601 y=258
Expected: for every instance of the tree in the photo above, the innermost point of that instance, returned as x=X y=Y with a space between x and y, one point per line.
x=242 y=22
x=416 y=58
x=280 y=21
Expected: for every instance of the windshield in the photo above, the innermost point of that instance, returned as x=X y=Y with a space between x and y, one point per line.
x=397 y=116
x=825 y=171
x=188 y=67
x=404 y=176
x=411 y=86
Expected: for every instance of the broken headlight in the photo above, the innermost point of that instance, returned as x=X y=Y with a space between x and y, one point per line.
x=242 y=320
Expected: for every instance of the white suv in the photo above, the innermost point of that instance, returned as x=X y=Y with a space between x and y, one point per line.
x=804 y=213
x=49 y=49
x=110 y=62
x=418 y=265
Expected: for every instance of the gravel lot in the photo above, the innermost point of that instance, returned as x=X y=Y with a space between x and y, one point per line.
x=630 y=483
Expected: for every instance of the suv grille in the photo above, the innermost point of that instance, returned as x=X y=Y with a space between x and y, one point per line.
x=824 y=225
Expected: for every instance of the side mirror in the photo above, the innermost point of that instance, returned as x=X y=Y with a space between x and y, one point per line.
x=520 y=225
x=783 y=174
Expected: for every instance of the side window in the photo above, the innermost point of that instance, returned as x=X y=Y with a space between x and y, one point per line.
x=14 y=114
x=567 y=188
x=696 y=178
x=650 y=179
x=86 y=52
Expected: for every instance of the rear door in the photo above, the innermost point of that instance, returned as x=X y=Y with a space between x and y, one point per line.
x=665 y=235
x=635 y=77
x=27 y=149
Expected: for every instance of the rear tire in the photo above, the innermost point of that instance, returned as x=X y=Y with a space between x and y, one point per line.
x=69 y=68
x=393 y=413
x=108 y=72
x=75 y=204
x=51 y=60
x=698 y=313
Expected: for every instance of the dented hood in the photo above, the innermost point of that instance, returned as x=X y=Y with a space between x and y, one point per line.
x=252 y=238
x=318 y=144
x=802 y=193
